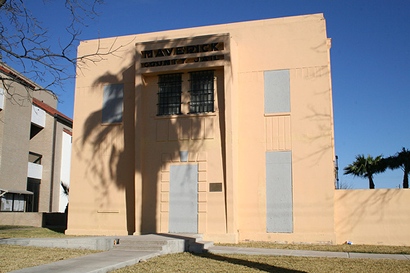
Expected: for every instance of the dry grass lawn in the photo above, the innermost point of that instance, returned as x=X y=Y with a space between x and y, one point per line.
x=29 y=232
x=336 y=248
x=186 y=262
x=18 y=257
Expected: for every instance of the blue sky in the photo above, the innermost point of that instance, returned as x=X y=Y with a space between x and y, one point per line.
x=370 y=59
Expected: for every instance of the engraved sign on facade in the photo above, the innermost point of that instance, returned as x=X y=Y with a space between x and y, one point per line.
x=180 y=51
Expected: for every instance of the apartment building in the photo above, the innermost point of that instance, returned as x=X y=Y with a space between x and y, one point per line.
x=35 y=146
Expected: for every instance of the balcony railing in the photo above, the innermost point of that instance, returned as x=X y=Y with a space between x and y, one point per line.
x=35 y=171
x=38 y=116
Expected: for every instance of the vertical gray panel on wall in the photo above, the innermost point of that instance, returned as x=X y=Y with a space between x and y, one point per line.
x=183 y=199
x=277 y=91
x=279 y=197
x=184 y=156
x=112 y=107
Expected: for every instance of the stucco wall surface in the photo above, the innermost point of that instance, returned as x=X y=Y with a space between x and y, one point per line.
x=378 y=217
x=34 y=219
x=42 y=144
x=14 y=139
x=120 y=172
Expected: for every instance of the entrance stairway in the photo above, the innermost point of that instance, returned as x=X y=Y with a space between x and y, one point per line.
x=163 y=243
x=119 y=251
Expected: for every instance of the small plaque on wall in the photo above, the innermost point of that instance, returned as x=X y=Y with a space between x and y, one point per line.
x=215 y=187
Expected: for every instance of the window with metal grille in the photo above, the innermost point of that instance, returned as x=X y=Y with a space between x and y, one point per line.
x=169 y=94
x=202 y=92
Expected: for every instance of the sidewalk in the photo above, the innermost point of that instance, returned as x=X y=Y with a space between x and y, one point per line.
x=133 y=249
x=119 y=251
x=303 y=253
x=94 y=263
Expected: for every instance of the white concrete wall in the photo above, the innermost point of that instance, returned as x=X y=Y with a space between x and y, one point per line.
x=65 y=169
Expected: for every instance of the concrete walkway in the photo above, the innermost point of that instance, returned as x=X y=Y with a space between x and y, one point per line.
x=128 y=250
x=118 y=252
x=303 y=253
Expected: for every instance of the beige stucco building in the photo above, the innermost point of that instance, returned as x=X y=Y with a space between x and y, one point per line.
x=222 y=130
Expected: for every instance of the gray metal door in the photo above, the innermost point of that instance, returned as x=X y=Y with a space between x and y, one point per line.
x=183 y=195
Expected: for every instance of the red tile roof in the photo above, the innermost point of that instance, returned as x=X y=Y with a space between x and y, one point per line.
x=50 y=109
x=14 y=75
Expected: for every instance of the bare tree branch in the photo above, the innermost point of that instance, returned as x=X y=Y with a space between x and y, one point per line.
x=25 y=43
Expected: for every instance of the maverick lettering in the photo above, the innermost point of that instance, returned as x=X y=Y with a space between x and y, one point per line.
x=182 y=61
x=181 y=50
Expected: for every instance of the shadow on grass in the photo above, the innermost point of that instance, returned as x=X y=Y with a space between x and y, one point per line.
x=57 y=229
x=255 y=265
x=6 y=227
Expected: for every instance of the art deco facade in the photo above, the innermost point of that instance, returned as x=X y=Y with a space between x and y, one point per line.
x=222 y=130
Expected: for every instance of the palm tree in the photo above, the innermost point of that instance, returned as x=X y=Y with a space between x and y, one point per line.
x=366 y=167
x=401 y=160
x=66 y=192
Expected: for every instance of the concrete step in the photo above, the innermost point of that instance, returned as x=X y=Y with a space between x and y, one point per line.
x=162 y=244
x=133 y=243
x=200 y=246
x=193 y=242
x=145 y=247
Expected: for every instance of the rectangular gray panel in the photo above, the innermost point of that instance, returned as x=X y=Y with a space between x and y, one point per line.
x=215 y=187
x=279 y=197
x=184 y=156
x=112 y=107
x=183 y=199
x=277 y=91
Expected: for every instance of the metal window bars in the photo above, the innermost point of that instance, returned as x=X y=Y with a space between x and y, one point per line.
x=169 y=94
x=202 y=92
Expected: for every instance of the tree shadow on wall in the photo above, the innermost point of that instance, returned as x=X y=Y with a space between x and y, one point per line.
x=120 y=153
x=361 y=204
x=109 y=148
